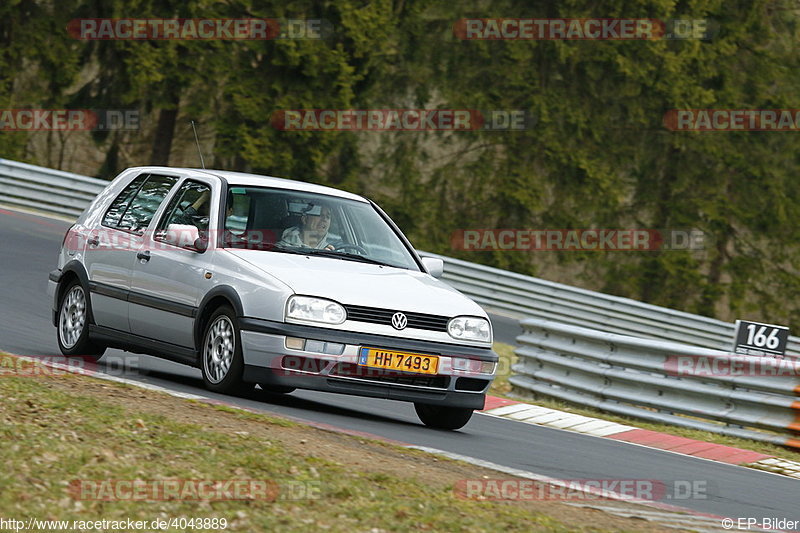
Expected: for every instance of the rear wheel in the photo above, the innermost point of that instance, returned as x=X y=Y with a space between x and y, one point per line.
x=221 y=352
x=73 y=323
x=440 y=417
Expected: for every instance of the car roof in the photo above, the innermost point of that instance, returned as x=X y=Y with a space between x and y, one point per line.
x=256 y=180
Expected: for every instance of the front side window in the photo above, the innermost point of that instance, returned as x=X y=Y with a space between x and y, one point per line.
x=189 y=207
x=285 y=221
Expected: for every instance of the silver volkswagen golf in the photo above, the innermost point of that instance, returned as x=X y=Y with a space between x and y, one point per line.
x=280 y=283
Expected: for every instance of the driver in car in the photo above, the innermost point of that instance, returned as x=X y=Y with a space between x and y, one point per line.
x=311 y=233
x=196 y=214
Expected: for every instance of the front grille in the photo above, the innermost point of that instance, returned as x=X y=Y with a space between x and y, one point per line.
x=349 y=370
x=375 y=315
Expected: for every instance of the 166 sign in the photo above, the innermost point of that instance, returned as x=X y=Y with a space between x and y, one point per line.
x=755 y=338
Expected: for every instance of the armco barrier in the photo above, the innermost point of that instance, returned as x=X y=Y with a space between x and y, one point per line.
x=748 y=397
x=45 y=189
x=526 y=296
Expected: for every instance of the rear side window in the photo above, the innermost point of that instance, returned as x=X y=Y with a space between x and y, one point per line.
x=137 y=210
x=121 y=202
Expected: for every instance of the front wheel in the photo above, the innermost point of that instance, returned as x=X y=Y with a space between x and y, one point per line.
x=73 y=324
x=221 y=352
x=440 y=417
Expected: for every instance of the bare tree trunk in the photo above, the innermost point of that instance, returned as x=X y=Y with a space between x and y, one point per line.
x=165 y=131
x=110 y=166
x=62 y=150
x=713 y=290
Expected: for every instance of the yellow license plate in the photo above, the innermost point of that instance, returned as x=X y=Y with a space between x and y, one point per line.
x=400 y=361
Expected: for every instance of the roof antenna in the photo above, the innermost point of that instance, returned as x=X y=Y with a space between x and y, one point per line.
x=197 y=142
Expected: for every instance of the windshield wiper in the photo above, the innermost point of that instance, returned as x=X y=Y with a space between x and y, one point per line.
x=348 y=257
x=275 y=248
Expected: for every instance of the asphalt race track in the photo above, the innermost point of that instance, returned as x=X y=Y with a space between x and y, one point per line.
x=30 y=244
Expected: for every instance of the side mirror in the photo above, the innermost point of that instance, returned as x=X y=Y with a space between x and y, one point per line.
x=201 y=244
x=434 y=266
x=186 y=236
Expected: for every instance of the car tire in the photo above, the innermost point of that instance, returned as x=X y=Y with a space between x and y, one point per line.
x=277 y=389
x=440 y=417
x=72 y=323
x=221 y=359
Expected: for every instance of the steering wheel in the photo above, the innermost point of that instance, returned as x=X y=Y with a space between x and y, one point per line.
x=347 y=246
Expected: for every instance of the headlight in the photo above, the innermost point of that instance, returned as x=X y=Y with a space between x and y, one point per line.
x=470 y=329
x=311 y=309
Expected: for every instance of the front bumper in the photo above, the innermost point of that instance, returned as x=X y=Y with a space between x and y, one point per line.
x=268 y=361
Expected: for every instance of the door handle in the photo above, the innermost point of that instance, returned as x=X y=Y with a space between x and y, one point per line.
x=94 y=241
x=144 y=256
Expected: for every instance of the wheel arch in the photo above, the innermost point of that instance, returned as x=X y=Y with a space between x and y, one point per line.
x=74 y=270
x=216 y=297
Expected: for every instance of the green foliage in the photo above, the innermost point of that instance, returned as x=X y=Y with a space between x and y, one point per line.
x=598 y=155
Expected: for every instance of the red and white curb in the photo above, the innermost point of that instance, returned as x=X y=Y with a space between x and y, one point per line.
x=778 y=466
x=542 y=416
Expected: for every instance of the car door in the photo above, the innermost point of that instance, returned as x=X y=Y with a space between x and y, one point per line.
x=166 y=283
x=112 y=247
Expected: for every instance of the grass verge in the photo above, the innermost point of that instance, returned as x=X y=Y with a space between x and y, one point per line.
x=502 y=388
x=59 y=430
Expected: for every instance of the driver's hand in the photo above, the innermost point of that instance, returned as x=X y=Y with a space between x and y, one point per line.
x=330 y=247
x=201 y=200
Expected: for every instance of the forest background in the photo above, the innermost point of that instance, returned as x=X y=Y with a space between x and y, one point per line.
x=597 y=153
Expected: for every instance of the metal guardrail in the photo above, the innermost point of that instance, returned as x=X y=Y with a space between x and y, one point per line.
x=526 y=296
x=747 y=397
x=44 y=189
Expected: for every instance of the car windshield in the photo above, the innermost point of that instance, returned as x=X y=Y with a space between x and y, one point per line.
x=286 y=221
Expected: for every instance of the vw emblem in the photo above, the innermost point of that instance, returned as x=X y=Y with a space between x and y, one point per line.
x=399 y=321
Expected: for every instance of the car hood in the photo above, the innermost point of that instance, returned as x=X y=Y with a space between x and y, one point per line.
x=354 y=283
